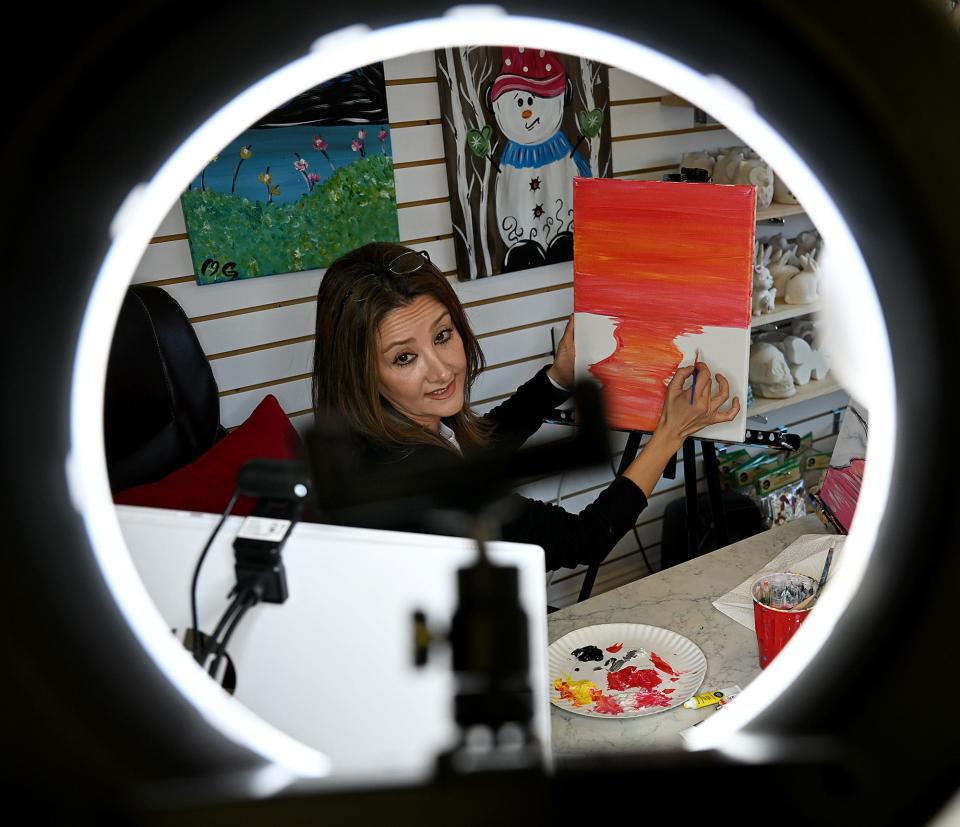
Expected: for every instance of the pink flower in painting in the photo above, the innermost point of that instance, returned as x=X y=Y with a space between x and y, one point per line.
x=321 y=145
x=355 y=146
x=382 y=135
x=362 y=134
x=300 y=165
x=313 y=178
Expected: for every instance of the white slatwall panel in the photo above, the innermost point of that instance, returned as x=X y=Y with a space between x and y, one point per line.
x=648 y=117
x=251 y=329
x=421 y=183
x=173 y=223
x=624 y=86
x=417 y=143
x=649 y=152
x=413 y=102
x=166 y=260
x=425 y=221
x=259 y=331
x=416 y=65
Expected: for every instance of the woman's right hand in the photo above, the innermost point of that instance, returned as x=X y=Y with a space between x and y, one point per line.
x=682 y=417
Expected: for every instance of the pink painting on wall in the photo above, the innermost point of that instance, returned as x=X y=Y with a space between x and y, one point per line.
x=662 y=269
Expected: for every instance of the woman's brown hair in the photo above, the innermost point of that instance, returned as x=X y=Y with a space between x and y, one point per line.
x=357 y=292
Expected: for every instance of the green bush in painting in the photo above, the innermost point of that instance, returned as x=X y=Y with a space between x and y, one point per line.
x=356 y=205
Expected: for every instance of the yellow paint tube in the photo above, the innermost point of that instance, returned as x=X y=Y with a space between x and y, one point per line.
x=716 y=696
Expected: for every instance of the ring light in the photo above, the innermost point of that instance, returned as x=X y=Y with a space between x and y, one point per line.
x=742 y=731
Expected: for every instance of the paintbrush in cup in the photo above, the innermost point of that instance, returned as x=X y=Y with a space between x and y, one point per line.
x=809 y=600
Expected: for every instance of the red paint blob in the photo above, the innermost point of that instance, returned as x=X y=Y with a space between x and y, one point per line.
x=649 y=697
x=615 y=648
x=630 y=677
x=668 y=691
x=674 y=679
x=661 y=664
x=607 y=705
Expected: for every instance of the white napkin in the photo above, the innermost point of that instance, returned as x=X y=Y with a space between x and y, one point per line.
x=805 y=555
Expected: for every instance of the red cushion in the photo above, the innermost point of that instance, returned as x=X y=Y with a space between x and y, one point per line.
x=208 y=483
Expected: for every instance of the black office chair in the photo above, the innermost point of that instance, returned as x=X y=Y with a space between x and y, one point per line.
x=161 y=404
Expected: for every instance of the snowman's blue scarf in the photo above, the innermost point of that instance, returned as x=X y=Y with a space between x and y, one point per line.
x=538 y=155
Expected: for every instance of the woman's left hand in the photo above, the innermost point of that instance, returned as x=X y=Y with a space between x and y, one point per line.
x=561 y=371
x=685 y=412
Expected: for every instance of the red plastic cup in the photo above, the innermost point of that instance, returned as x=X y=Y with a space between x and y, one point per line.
x=774 y=617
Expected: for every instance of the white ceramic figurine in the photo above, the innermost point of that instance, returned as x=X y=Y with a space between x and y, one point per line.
x=764 y=294
x=804 y=287
x=757 y=173
x=783 y=268
x=805 y=362
x=769 y=373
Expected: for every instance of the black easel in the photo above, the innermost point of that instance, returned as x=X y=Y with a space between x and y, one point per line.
x=711 y=469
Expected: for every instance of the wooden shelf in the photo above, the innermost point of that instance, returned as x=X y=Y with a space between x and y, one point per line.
x=786 y=311
x=811 y=390
x=779 y=211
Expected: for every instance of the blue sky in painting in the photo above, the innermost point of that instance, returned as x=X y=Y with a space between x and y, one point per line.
x=275 y=148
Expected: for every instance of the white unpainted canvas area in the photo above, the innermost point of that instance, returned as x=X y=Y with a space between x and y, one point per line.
x=725 y=350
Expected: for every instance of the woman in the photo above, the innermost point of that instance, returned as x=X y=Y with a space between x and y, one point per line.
x=396 y=358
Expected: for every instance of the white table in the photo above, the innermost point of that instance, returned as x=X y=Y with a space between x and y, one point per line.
x=679 y=598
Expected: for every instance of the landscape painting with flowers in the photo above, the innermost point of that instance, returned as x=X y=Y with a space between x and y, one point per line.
x=306 y=183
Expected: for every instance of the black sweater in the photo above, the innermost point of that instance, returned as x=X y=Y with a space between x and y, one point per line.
x=568 y=540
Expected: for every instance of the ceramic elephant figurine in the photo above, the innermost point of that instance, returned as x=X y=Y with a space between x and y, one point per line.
x=805 y=362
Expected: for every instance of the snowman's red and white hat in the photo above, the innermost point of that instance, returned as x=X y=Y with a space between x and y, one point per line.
x=529 y=70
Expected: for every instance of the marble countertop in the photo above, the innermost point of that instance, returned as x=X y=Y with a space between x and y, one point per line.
x=681 y=599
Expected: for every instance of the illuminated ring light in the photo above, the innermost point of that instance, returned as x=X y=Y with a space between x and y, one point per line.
x=739 y=731
x=146 y=207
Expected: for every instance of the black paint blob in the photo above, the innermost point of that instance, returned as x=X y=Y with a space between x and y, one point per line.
x=587 y=653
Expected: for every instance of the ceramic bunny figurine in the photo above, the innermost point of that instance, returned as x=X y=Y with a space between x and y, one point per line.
x=778 y=242
x=804 y=287
x=757 y=173
x=805 y=362
x=808 y=241
x=769 y=373
x=781 y=193
x=764 y=296
x=782 y=268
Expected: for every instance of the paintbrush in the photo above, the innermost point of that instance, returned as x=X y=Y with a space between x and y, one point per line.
x=807 y=601
x=693 y=385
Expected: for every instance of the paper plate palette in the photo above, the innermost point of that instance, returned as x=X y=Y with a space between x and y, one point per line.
x=623 y=670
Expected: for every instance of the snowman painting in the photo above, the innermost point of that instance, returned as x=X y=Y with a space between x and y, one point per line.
x=538 y=163
x=520 y=125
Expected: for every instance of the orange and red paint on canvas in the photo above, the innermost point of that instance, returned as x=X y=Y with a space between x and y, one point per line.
x=661 y=269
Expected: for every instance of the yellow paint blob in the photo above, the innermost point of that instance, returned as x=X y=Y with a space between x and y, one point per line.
x=580 y=692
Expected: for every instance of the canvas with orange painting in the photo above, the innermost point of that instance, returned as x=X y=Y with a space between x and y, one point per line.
x=662 y=269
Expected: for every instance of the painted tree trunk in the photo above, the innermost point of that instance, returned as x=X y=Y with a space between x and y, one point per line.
x=469 y=91
x=457 y=124
x=587 y=79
